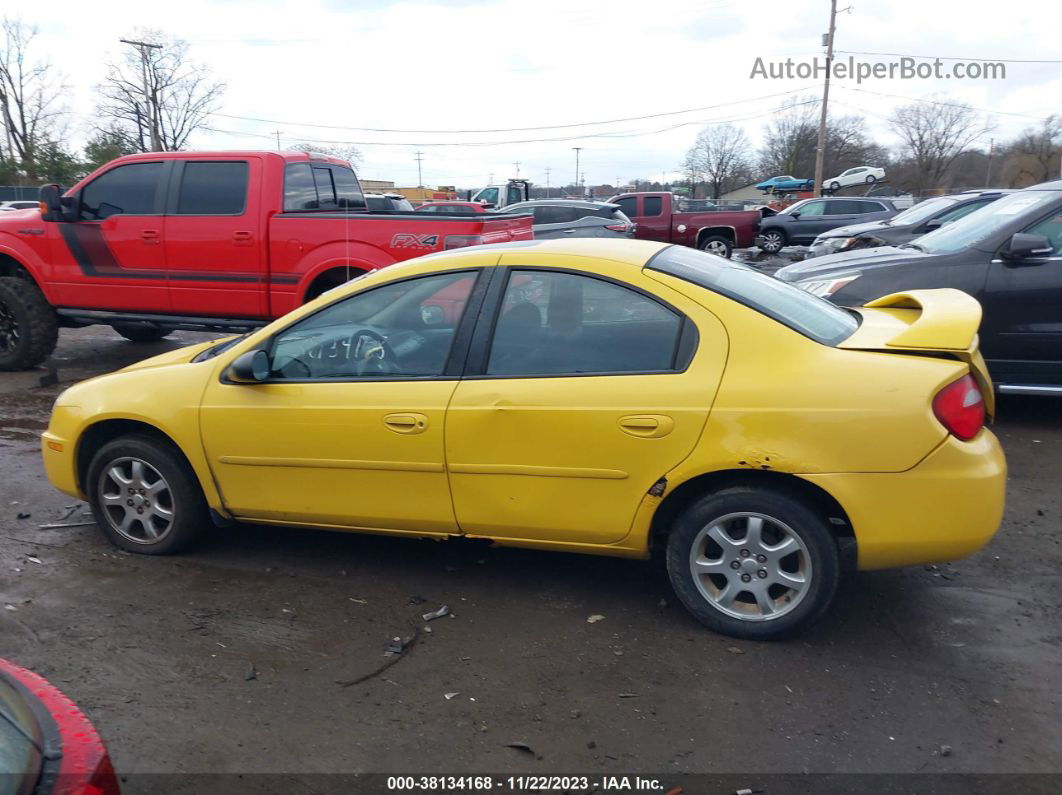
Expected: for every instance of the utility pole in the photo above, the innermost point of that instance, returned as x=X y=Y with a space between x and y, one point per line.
x=490 y=179
x=820 y=150
x=547 y=182
x=517 y=164
x=278 y=132
x=153 y=116
x=419 y=157
x=988 y=170
x=577 y=149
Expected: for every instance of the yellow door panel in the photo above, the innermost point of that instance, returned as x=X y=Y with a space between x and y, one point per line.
x=366 y=454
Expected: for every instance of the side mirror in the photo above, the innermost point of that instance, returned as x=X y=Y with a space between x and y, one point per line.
x=933 y=223
x=1022 y=245
x=51 y=200
x=794 y=215
x=250 y=367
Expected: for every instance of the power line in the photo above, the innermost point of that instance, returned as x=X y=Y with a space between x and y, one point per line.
x=942 y=103
x=514 y=129
x=947 y=57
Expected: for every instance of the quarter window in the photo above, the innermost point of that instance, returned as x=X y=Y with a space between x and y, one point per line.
x=399 y=330
x=213 y=188
x=126 y=190
x=554 y=323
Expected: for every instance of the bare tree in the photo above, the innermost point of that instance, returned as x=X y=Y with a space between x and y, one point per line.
x=1035 y=155
x=790 y=139
x=30 y=100
x=933 y=136
x=347 y=152
x=178 y=97
x=721 y=154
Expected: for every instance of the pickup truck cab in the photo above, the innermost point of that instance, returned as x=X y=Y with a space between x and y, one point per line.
x=497 y=197
x=206 y=240
x=657 y=217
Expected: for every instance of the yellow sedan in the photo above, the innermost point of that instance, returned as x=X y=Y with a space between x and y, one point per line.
x=608 y=397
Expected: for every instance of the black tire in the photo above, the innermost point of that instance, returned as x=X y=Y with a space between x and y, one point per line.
x=818 y=560
x=29 y=327
x=871 y=179
x=773 y=240
x=185 y=500
x=835 y=186
x=142 y=331
x=718 y=245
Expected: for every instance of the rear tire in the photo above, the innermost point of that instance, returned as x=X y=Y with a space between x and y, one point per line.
x=773 y=240
x=145 y=496
x=871 y=179
x=29 y=327
x=137 y=331
x=718 y=245
x=835 y=186
x=767 y=566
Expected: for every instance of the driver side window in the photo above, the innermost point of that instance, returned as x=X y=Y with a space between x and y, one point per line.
x=125 y=190
x=401 y=329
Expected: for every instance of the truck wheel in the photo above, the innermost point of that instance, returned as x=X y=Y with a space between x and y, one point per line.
x=772 y=241
x=29 y=327
x=718 y=245
x=753 y=563
x=142 y=332
x=145 y=496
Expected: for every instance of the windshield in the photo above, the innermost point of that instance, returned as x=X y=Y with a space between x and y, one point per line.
x=921 y=211
x=982 y=224
x=807 y=314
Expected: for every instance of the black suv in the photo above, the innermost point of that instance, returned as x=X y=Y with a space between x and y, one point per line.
x=1007 y=255
x=801 y=223
x=903 y=228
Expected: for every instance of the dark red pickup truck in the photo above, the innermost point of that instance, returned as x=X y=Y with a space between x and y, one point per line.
x=715 y=231
x=211 y=240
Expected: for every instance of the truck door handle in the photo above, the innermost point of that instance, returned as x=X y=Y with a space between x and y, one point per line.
x=646 y=426
x=241 y=238
x=150 y=237
x=407 y=423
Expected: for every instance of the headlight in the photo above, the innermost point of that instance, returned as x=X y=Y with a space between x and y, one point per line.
x=824 y=288
x=832 y=244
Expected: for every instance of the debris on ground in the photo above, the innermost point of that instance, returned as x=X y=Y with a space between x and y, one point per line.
x=628 y=695
x=521 y=746
x=24 y=515
x=359 y=601
x=403 y=645
x=595 y=618
x=442 y=611
x=10 y=607
x=34 y=559
x=450 y=696
x=945 y=750
x=252 y=673
x=68 y=511
x=735 y=650
x=54 y=525
x=416 y=599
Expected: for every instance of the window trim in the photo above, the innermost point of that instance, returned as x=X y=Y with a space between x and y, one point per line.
x=686 y=342
x=455 y=359
x=161 y=191
x=173 y=193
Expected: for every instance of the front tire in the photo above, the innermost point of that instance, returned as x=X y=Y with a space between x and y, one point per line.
x=718 y=245
x=29 y=327
x=753 y=563
x=136 y=331
x=772 y=241
x=145 y=496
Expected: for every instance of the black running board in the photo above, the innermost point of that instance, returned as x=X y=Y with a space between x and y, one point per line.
x=184 y=322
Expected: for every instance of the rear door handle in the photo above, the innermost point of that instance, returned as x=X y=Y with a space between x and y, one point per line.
x=646 y=426
x=150 y=237
x=406 y=423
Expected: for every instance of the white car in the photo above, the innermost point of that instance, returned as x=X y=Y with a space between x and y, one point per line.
x=861 y=175
x=17 y=204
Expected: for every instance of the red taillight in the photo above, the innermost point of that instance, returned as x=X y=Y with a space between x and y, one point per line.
x=960 y=407
x=460 y=241
x=618 y=227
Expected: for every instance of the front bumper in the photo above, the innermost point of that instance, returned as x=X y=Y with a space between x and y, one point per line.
x=58 y=449
x=947 y=507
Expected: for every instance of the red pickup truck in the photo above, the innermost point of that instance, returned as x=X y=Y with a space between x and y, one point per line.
x=715 y=231
x=209 y=240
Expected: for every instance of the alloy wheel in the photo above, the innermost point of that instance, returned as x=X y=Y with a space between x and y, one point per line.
x=9 y=335
x=717 y=247
x=136 y=500
x=750 y=566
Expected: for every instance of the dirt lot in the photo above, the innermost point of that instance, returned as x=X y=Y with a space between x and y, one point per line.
x=159 y=651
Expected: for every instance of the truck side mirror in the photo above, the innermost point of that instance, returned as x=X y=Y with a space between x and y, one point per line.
x=250 y=367
x=51 y=203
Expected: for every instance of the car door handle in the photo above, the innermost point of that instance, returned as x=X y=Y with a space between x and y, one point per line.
x=241 y=238
x=407 y=423
x=646 y=426
x=569 y=231
x=150 y=237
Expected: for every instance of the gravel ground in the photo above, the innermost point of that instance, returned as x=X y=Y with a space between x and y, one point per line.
x=227 y=659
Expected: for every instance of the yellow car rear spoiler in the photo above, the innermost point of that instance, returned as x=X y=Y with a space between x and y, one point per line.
x=926 y=321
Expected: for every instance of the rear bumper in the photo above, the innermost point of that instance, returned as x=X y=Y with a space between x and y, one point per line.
x=947 y=507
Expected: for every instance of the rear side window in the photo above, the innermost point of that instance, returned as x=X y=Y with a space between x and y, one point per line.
x=209 y=188
x=807 y=314
x=125 y=190
x=654 y=205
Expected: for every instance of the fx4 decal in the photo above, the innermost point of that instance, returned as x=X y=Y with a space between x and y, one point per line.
x=409 y=240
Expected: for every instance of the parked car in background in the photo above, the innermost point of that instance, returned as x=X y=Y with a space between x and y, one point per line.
x=1007 y=255
x=904 y=227
x=205 y=240
x=717 y=232
x=388 y=203
x=572 y=218
x=18 y=204
x=860 y=175
x=612 y=397
x=47 y=745
x=452 y=208
x=784 y=183
x=801 y=223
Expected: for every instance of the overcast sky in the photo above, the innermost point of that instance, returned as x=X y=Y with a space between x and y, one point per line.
x=489 y=64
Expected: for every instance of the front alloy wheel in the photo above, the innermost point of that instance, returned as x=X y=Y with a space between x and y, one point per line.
x=136 y=501
x=772 y=241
